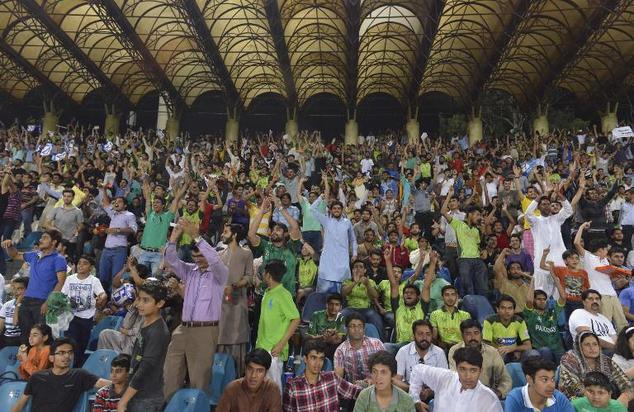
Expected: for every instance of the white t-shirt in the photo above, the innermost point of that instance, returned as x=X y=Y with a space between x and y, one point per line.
x=598 y=281
x=82 y=294
x=7 y=311
x=366 y=165
x=598 y=324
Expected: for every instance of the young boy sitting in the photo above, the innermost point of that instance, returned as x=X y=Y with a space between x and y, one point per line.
x=598 y=395
x=107 y=398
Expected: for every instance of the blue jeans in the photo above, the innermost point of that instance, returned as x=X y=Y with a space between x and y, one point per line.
x=111 y=262
x=151 y=259
x=313 y=238
x=27 y=219
x=473 y=276
x=328 y=286
x=7 y=227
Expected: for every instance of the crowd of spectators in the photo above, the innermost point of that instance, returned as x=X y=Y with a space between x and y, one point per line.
x=429 y=270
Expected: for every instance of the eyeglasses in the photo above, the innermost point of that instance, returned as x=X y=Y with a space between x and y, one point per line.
x=64 y=353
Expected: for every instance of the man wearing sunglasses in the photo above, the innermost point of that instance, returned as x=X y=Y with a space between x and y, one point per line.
x=59 y=388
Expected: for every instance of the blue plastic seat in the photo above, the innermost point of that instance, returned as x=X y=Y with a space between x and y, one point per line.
x=8 y=357
x=188 y=400
x=478 y=306
x=10 y=392
x=302 y=367
x=371 y=331
x=98 y=363
x=314 y=302
x=110 y=322
x=83 y=403
x=223 y=371
x=517 y=374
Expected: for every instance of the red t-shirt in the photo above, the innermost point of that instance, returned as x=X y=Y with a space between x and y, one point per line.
x=573 y=281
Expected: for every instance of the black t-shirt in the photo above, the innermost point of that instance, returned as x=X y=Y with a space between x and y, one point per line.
x=148 y=357
x=58 y=393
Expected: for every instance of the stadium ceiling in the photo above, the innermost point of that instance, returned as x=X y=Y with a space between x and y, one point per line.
x=297 y=49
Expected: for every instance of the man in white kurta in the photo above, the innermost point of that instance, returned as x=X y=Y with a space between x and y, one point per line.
x=339 y=243
x=450 y=394
x=546 y=231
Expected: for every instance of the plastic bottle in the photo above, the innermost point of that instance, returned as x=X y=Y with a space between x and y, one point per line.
x=288 y=371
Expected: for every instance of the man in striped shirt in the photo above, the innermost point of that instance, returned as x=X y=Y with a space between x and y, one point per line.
x=317 y=390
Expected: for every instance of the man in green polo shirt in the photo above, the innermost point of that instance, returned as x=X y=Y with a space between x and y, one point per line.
x=542 y=323
x=328 y=325
x=278 y=247
x=447 y=319
x=472 y=270
x=506 y=331
x=279 y=319
x=157 y=224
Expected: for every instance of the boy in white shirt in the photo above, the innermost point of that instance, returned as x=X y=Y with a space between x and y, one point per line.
x=85 y=292
x=9 y=314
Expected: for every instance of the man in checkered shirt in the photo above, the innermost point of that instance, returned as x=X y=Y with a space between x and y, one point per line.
x=317 y=390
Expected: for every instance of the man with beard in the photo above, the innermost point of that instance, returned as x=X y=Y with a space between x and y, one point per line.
x=370 y=243
x=446 y=320
x=420 y=351
x=509 y=280
x=366 y=223
x=546 y=230
x=494 y=374
x=411 y=242
x=339 y=242
x=284 y=243
x=518 y=254
x=589 y=318
x=472 y=270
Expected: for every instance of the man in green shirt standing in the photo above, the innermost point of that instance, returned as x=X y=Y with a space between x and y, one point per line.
x=157 y=224
x=542 y=323
x=284 y=243
x=472 y=270
x=279 y=319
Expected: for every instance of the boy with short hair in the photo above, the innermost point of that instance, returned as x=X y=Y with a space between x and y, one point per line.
x=598 y=395
x=107 y=398
x=9 y=314
x=145 y=391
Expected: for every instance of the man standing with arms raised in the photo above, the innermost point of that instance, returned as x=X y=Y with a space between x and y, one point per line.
x=194 y=341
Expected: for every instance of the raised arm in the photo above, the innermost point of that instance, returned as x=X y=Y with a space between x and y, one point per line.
x=445 y=205
x=430 y=276
x=579 y=238
x=499 y=267
x=252 y=236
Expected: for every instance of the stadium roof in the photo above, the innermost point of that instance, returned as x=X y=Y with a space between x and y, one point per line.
x=296 y=49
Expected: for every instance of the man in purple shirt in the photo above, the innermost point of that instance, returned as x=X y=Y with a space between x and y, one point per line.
x=519 y=255
x=115 y=252
x=194 y=341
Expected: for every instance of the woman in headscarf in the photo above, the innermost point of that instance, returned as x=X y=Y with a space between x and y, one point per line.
x=586 y=356
x=624 y=351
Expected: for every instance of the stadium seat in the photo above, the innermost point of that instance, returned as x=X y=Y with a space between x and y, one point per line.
x=517 y=374
x=314 y=302
x=83 y=403
x=110 y=322
x=8 y=357
x=371 y=331
x=478 y=306
x=302 y=367
x=223 y=371
x=13 y=368
x=98 y=363
x=10 y=392
x=188 y=400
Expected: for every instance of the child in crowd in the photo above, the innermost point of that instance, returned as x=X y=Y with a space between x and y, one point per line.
x=37 y=357
x=85 y=294
x=573 y=278
x=598 y=395
x=9 y=314
x=145 y=390
x=107 y=398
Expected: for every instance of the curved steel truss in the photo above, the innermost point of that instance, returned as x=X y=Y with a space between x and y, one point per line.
x=296 y=49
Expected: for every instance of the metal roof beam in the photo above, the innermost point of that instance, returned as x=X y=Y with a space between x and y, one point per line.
x=210 y=49
x=277 y=32
x=33 y=71
x=499 y=50
x=594 y=23
x=40 y=14
x=151 y=66
x=353 y=25
x=429 y=33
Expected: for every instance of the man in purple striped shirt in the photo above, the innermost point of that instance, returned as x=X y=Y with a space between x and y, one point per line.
x=115 y=252
x=194 y=341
